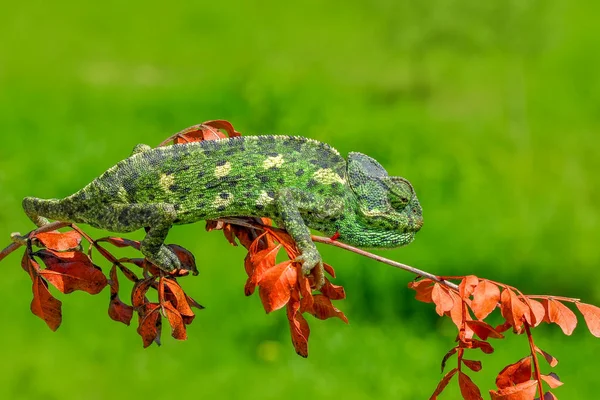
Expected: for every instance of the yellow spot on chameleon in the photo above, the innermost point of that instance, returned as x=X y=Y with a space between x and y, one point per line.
x=327 y=176
x=166 y=181
x=222 y=202
x=263 y=199
x=223 y=170
x=271 y=162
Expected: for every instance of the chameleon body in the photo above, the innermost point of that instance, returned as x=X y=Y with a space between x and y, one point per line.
x=300 y=183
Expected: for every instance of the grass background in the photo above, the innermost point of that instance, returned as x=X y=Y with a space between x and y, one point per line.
x=491 y=109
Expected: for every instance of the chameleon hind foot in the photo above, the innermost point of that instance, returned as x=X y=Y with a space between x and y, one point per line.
x=311 y=261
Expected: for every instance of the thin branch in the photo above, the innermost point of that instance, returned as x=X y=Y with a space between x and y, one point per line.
x=19 y=240
x=536 y=365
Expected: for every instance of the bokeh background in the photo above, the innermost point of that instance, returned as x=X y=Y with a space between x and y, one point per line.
x=491 y=109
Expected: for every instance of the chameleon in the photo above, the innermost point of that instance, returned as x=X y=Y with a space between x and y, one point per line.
x=299 y=183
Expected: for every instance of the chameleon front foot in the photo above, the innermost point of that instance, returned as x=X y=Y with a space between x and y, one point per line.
x=312 y=261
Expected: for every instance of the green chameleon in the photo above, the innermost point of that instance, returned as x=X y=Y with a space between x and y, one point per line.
x=300 y=183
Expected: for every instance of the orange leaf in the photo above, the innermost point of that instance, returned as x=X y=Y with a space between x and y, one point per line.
x=424 y=288
x=522 y=391
x=276 y=284
x=467 y=285
x=71 y=270
x=257 y=264
x=552 y=380
x=443 y=383
x=59 y=241
x=118 y=310
x=549 y=396
x=561 y=315
x=138 y=294
x=486 y=297
x=456 y=314
x=513 y=309
x=473 y=365
x=447 y=356
x=514 y=374
x=44 y=305
x=442 y=299
x=537 y=312
x=591 y=314
x=484 y=330
x=468 y=389
x=329 y=269
x=149 y=324
x=175 y=320
x=550 y=359
x=223 y=124
x=477 y=344
x=323 y=309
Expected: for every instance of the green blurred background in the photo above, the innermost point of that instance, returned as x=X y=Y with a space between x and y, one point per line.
x=491 y=109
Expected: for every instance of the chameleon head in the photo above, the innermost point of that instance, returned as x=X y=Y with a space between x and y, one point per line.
x=388 y=208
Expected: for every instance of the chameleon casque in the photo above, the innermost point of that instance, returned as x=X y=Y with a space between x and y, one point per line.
x=300 y=183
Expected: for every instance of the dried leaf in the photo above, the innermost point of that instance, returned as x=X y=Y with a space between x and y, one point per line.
x=486 y=297
x=550 y=359
x=549 y=396
x=299 y=328
x=323 y=309
x=442 y=299
x=334 y=292
x=561 y=315
x=175 y=320
x=44 y=305
x=537 y=312
x=329 y=269
x=443 y=383
x=472 y=364
x=424 y=289
x=276 y=284
x=138 y=294
x=552 y=380
x=149 y=323
x=117 y=310
x=514 y=374
x=468 y=389
x=513 y=309
x=467 y=285
x=522 y=391
x=188 y=262
x=456 y=314
x=476 y=344
x=257 y=264
x=591 y=314
x=71 y=270
x=176 y=296
x=484 y=330
x=447 y=356
x=58 y=241
x=120 y=242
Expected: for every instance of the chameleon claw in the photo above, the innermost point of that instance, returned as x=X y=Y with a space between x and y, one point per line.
x=312 y=264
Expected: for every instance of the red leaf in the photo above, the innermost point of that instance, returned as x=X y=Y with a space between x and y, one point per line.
x=188 y=262
x=329 y=269
x=120 y=242
x=484 y=330
x=334 y=292
x=276 y=284
x=549 y=396
x=223 y=124
x=69 y=271
x=138 y=294
x=257 y=264
x=59 y=241
x=468 y=389
x=560 y=314
x=514 y=374
x=550 y=359
x=443 y=383
x=299 y=328
x=442 y=299
x=474 y=365
x=522 y=391
x=477 y=344
x=150 y=324
x=44 y=305
x=176 y=296
x=323 y=309
x=552 y=380
x=175 y=320
x=467 y=285
x=118 y=310
x=486 y=297
x=424 y=288
x=513 y=309
x=591 y=314
x=447 y=356
x=456 y=314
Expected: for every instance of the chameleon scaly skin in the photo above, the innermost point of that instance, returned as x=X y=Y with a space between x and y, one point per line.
x=298 y=182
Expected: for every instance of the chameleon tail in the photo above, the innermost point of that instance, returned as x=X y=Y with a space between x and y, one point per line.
x=39 y=210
